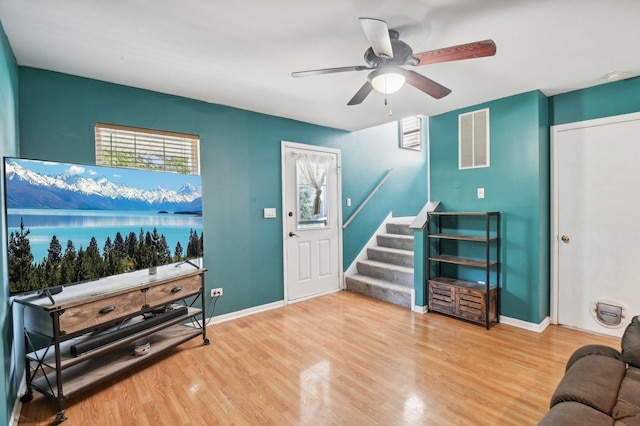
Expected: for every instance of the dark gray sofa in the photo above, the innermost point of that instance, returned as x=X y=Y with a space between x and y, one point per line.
x=601 y=386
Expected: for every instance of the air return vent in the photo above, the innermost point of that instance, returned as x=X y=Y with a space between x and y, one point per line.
x=473 y=145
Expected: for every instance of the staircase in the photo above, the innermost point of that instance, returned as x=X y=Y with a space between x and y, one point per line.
x=387 y=273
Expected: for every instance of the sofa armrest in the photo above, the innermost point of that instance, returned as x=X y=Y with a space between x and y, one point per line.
x=593 y=350
x=592 y=380
x=574 y=413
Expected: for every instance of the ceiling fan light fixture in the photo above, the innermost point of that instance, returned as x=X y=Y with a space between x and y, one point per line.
x=616 y=75
x=387 y=81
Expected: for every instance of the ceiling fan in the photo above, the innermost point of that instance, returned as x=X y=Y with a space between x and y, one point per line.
x=388 y=53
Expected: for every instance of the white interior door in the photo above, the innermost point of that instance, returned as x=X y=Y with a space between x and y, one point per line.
x=597 y=230
x=311 y=220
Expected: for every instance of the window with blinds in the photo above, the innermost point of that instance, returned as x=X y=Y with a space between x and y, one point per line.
x=119 y=146
x=411 y=133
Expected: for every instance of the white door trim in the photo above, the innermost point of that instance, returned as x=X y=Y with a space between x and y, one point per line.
x=556 y=131
x=321 y=149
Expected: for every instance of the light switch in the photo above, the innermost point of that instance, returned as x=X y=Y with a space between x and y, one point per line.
x=269 y=213
x=480 y=192
x=348 y=202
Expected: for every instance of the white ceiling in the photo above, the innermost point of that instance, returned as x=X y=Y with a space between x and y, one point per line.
x=241 y=53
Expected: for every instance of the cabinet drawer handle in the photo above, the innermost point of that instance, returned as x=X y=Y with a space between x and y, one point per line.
x=107 y=309
x=176 y=289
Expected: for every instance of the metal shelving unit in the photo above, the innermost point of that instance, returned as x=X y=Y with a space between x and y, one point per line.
x=473 y=301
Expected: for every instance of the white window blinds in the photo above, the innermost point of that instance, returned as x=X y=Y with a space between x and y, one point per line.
x=411 y=133
x=120 y=146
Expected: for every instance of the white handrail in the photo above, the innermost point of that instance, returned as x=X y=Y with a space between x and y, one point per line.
x=366 y=200
x=420 y=222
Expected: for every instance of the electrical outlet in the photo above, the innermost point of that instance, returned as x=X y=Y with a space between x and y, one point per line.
x=216 y=292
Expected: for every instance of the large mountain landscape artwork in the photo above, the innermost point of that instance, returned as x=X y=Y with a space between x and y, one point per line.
x=68 y=223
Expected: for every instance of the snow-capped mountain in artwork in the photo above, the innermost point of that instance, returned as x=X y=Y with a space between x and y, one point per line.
x=30 y=189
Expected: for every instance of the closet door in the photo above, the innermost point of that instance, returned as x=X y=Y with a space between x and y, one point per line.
x=596 y=241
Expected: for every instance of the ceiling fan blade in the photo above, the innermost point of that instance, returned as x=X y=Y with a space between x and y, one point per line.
x=377 y=33
x=425 y=84
x=361 y=94
x=476 y=49
x=329 y=71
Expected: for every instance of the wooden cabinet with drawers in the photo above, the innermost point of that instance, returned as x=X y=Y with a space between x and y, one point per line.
x=91 y=329
x=476 y=301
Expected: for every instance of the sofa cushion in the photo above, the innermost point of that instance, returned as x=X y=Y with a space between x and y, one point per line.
x=631 y=343
x=593 y=380
x=627 y=409
x=574 y=413
x=593 y=350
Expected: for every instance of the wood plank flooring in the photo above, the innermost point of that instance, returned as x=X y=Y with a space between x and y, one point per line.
x=342 y=359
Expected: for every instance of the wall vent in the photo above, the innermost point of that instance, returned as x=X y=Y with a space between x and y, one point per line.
x=473 y=143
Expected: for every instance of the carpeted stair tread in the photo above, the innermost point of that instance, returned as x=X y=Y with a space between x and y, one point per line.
x=400 y=226
x=398 y=236
x=391 y=255
x=379 y=283
x=380 y=289
x=404 y=242
x=402 y=275
x=386 y=265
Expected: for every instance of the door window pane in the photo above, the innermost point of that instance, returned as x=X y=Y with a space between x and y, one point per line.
x=311 y=183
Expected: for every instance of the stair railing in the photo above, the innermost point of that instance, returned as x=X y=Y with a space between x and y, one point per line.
x=366 y=200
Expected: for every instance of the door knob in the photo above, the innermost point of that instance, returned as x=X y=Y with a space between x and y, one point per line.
x=565 y=239
x=291 y=234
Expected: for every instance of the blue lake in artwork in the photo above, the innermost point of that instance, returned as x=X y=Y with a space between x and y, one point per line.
x=80 y=225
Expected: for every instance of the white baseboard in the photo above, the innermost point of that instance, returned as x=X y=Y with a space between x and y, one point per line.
x=245 y=312
x=313 y=296
x=420 y=309
x=538 y=328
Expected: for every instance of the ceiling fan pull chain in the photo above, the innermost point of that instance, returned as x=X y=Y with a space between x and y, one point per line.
x=387 y=102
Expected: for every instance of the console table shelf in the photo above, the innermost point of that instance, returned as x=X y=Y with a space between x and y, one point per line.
x=98 y=369
x=473 y=301
x=48 y=357
x=92 y=328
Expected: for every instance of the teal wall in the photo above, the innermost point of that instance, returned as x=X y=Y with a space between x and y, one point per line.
x=516 y=184
x=241 y=172
x=621 y=97
x=8 y=146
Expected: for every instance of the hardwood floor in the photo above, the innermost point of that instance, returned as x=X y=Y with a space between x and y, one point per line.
x=337 y=360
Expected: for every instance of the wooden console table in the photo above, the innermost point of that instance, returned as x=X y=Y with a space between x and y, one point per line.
x=108 y=316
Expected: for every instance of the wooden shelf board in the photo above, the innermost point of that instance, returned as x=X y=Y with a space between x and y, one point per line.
x=102 y=368
x=462 y=213
x=461 y=283
x=462 y=237
x=463 y=261
x=67 y=360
